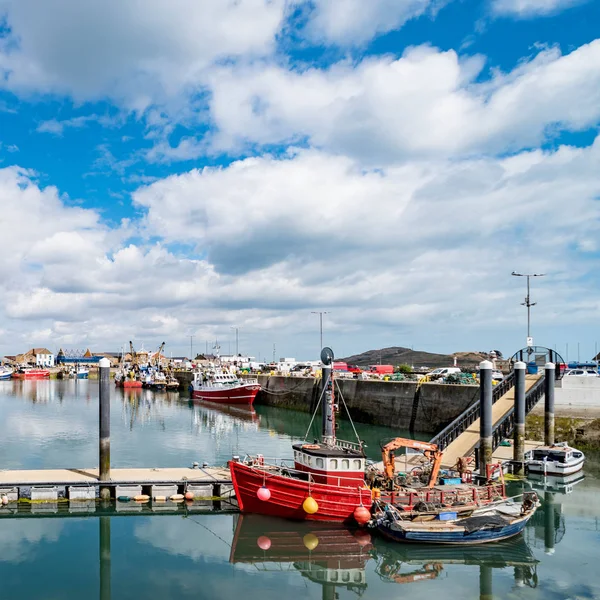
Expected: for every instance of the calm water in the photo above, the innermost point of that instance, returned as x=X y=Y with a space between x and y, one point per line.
x=54 y=424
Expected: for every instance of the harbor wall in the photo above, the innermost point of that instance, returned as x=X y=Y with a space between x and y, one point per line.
x=402 y=405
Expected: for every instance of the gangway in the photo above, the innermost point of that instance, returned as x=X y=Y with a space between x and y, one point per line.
x=502 y=425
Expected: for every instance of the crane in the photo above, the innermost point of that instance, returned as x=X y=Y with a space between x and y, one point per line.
x=430 y=451
x=160 y=350
x=132 y=352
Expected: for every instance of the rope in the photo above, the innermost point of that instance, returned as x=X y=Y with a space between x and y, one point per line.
x=314 y=413
x=283 y=393
x=210 y=530
x=348 y=413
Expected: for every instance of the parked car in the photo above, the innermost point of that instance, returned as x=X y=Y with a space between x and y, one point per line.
x=582 y=373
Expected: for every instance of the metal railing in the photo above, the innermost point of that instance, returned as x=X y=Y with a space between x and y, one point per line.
x=505 y=427
x=445 y=437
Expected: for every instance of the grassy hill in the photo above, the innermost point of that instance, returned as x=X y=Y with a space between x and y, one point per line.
x=397 y=355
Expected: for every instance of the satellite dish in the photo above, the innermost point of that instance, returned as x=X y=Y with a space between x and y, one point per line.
x=327 y=356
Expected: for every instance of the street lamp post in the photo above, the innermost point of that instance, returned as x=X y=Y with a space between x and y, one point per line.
x=237 y=329
x=528 y=302
x=320 y=313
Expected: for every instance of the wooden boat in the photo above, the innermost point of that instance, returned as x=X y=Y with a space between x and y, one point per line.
x=31 y=373
x=482 y=526
x=328 y=480
x=559 y=460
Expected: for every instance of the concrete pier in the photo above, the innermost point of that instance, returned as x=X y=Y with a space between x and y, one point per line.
x=519 y=431
x=212 y=479
x=549 y=404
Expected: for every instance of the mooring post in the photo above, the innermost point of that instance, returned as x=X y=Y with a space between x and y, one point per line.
x=485 y=582
x=104 y=426
x=485 y=418
x=105 y=573
x=549 y=405
x=519 y=433
x=548 y=522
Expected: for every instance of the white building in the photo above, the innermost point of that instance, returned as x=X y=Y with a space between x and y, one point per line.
x=44 y=360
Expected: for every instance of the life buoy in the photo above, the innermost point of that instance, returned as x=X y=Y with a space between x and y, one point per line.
x=310 y=446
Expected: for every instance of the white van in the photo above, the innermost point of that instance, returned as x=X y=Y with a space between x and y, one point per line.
x=442 y=372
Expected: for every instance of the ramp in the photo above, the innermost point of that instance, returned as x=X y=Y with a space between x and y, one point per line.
x=466 y=442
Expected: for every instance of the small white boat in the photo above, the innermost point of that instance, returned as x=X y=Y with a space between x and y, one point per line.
x=82 y=372
x=5 y=373
x=559 y=459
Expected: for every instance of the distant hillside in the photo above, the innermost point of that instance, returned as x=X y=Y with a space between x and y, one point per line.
x=397 y=355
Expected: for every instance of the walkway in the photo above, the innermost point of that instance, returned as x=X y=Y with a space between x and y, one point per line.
x=465 y=443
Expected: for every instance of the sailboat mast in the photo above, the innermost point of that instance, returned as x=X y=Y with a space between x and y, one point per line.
x=327 y=392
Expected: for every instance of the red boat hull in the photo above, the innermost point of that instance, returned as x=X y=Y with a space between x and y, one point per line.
x=33 y=374
x=335 y=504
x=243 y=394
x=130 y=383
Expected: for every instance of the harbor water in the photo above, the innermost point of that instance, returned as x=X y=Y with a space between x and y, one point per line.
x=48 y=424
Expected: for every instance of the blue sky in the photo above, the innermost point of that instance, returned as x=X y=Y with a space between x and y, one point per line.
x=185 y=168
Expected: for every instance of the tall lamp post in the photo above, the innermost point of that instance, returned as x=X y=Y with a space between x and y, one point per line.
x=237 y=329
x=528 y=302
x=320 y=313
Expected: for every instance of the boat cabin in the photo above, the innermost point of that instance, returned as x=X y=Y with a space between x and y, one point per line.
x=338 y=465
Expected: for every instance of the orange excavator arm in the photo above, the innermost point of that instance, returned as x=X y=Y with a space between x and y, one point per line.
x=429 y=450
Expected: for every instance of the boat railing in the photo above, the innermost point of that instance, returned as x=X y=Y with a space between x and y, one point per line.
x=349 y=445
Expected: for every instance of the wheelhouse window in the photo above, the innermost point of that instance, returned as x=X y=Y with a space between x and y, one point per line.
x=320 y=463
x=345 y=463
x=333 y=463
x=357 y=464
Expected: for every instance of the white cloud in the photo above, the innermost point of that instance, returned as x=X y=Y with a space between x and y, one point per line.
x=532 y=8
x=425 y=103
x=136 y=53
x=347 y=22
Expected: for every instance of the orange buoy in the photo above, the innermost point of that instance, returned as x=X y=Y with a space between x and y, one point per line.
x=362 y=515
x=189 y=495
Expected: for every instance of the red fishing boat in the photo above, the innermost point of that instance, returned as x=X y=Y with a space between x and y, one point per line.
x=328 y=480
x=31 y=373
x=217 y=385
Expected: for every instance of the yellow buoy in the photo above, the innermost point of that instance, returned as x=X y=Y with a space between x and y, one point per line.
x=141 y=498
x=311 y=541
x=176 y=498
x=310 y=506
x=160 y=498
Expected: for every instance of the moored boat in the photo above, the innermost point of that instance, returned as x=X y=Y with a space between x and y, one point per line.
x=217 y=385
x=31 y=373
x=5 y=373
x=82 y=372
x=482 y=526
x=327 y=481
x=559 y=460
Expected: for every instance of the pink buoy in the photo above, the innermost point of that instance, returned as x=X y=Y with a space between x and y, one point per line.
x=362 y=537
x=189 y=495
x=263 y=542
x=263 y=493
x=362 y=515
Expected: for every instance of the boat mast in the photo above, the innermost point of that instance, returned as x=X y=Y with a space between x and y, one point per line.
x=328 y=437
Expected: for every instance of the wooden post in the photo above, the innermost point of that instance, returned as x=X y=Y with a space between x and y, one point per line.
x=519 y=432
x=104 y=427
x=485 y=418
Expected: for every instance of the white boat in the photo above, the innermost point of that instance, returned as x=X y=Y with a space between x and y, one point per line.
x=559 y=459
x=5 y=373
x=217 y=385
x=82 y=372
